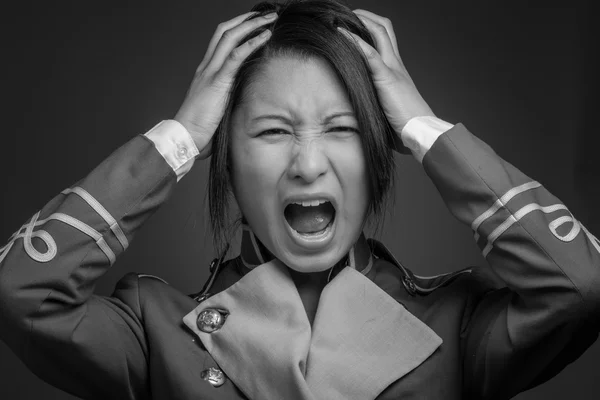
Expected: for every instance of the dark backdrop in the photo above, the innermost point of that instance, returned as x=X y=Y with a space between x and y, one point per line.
x=79 y=81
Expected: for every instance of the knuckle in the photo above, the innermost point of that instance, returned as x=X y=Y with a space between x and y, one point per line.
x=387 y=22
x=236 y=54
x=258 y=21
x=251 y=42
x=254 y=41
x=380 y=28
x=227 y=35
x=221 y=27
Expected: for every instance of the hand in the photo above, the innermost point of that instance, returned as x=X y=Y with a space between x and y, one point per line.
x=204 y=104
x=397 y=92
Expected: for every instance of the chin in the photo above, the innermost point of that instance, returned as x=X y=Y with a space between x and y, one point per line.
x=311 y=263
x=310 y=260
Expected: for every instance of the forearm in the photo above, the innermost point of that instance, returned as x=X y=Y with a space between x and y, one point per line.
x=87 y=227
x=530 y=239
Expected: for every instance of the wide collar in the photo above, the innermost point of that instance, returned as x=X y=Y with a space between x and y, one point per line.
x=361 y=341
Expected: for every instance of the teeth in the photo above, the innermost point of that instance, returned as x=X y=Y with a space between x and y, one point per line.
x=310 y=203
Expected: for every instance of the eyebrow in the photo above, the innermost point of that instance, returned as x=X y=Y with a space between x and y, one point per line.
x=288 y=121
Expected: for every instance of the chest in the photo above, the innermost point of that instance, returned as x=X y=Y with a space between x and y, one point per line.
x=180 y=364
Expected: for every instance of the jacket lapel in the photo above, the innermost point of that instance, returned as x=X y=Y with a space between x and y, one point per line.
x=263 y=343
x=361 y=341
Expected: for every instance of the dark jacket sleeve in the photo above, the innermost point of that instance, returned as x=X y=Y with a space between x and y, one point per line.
x=88 y=345
x=547 y=314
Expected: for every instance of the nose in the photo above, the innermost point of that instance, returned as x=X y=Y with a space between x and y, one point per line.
x=309 y=162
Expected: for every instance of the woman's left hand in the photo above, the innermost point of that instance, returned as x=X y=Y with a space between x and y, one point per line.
x=397 y=92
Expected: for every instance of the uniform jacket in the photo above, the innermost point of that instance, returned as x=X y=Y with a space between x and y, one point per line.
x=381 y=332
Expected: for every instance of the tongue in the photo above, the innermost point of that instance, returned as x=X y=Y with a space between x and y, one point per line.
x=309 y=219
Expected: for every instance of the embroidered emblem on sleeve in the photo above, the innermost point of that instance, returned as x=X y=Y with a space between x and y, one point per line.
x=51 y=248
x=513 y=218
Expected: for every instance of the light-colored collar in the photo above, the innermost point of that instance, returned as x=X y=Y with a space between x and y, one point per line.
x=253 y=253
x=362 y=340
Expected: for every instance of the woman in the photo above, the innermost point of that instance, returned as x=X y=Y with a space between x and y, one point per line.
x=300 y=106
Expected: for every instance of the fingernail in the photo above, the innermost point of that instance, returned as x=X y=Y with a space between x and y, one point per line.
x=264 y=34
x=272 y=15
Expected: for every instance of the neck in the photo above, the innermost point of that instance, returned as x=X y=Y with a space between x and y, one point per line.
x=309 y=279
x=309 y=286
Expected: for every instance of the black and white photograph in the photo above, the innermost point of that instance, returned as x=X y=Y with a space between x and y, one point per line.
x=300 y=200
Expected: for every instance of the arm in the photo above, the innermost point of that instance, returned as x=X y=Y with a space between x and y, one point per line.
x=48 y=270
x=516 y=337
x=88 y=345
x=520 y=336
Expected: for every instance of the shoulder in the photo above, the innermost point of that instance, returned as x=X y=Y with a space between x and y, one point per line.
x=133 y=280
x=134 y=288
x=471 y=280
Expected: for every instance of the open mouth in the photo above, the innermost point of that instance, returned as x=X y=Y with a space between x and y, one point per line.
x=311 y=217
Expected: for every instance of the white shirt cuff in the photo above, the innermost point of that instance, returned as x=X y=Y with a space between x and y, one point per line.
x=420 y=133
x=175 y=144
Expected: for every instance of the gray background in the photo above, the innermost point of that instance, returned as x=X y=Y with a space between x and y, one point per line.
x=80 y=80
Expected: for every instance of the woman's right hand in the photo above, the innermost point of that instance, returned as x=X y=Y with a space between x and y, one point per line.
x=204 y=104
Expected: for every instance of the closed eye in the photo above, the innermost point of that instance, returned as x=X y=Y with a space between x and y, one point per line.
x=274 y=132
x=269 y=132
x=344 y=129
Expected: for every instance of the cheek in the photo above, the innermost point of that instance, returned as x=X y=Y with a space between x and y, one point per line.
x=256 y=172
x=353 y=175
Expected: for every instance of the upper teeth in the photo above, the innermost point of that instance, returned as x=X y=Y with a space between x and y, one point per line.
x=310 y=203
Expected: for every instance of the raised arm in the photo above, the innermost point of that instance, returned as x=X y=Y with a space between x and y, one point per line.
x=88 y=345
x=518 y=336
x=548 y=313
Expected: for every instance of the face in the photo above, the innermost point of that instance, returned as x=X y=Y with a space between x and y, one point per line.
x=298 y=169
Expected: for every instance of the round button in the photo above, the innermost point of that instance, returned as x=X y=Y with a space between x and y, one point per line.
x=210 y=320
x=214 y=376
x=182 y=152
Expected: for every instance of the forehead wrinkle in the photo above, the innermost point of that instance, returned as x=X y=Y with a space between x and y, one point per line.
x=290 y=87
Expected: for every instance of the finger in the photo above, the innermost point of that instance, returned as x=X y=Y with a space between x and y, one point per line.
x=382 y=41
x=232 y=37
x=386 y=23
x=221 y=28
x=240 y=53
x=374 y=60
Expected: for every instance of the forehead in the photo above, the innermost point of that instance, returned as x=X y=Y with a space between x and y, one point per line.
x=299 y=86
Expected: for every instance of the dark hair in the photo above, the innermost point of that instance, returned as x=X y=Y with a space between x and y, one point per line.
x=305 y=29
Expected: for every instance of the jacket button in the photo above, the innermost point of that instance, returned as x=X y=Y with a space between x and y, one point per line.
x=214 y=376
x=210 y=320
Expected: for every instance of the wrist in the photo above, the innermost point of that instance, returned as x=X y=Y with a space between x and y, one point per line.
x=175 y=144
x=420 y=133
x=196 y=133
